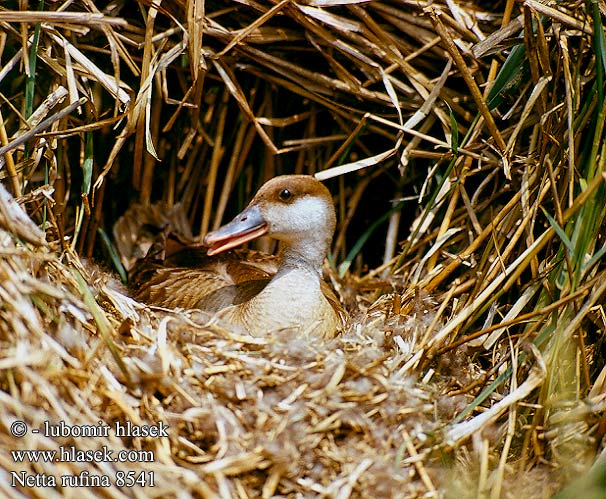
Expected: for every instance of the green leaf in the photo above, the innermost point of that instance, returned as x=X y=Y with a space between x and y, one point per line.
x=87 y=165
x=113 y=253
x=510 y=77
x=344 y=267
x=560 y=232
x=454 y=132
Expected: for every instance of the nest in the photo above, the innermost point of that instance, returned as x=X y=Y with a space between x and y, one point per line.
x=464 y=142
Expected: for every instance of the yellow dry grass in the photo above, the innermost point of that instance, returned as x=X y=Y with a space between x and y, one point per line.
x=473 y=365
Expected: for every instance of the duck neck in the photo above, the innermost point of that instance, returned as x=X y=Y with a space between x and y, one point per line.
x=308 y=256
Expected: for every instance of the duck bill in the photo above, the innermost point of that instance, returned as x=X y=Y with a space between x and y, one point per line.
x=247 y=226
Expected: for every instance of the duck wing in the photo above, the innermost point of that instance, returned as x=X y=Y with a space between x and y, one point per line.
x=190 y=279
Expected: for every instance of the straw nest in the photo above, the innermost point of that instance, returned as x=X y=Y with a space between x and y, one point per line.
x=473 y=362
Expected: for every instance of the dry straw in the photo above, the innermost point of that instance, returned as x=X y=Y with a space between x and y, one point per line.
x=465 y=147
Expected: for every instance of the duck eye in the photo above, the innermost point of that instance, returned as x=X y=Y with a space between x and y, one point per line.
x=285 y=194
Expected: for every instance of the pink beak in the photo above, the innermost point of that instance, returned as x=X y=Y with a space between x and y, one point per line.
x=247 y=226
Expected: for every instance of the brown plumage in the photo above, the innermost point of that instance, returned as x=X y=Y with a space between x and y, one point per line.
x=258 y=293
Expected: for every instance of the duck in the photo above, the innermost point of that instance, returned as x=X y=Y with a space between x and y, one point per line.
x=257 y=293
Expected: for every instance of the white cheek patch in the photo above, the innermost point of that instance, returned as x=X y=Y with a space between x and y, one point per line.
x=306 y=214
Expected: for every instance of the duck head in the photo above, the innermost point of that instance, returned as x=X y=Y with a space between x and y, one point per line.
x=295 y=209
